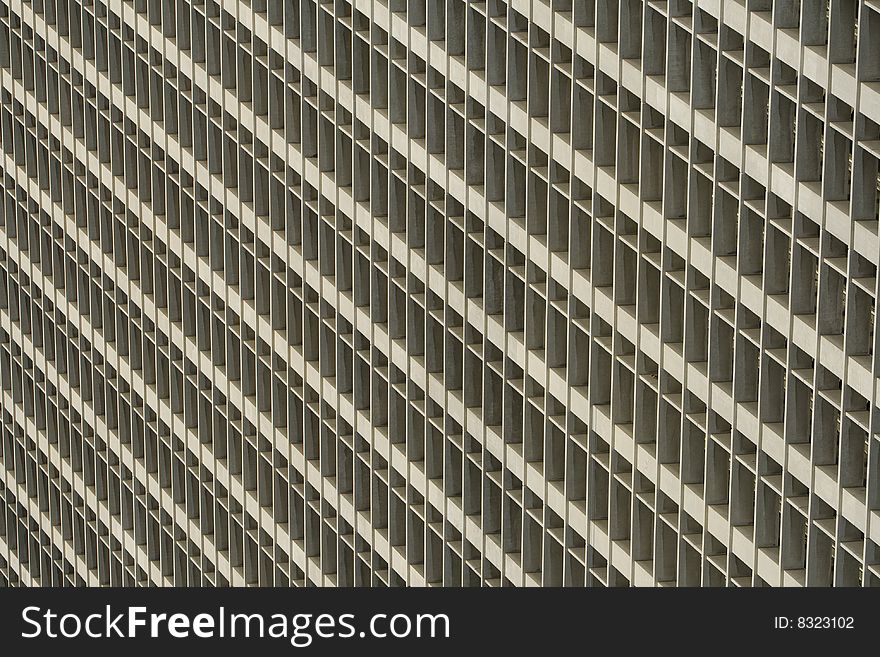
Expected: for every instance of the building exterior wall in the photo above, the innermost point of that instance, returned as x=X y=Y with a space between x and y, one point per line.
x=367 y=292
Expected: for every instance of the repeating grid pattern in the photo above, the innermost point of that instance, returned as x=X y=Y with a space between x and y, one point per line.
x=380 y=292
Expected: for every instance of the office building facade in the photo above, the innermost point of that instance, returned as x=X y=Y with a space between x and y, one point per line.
x=444 y=292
